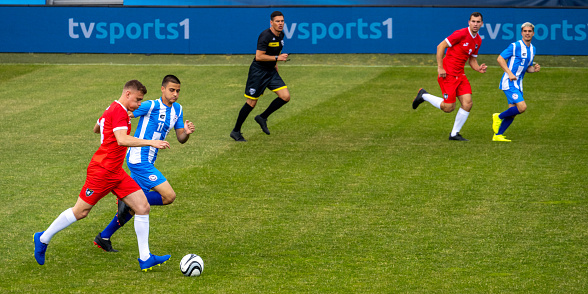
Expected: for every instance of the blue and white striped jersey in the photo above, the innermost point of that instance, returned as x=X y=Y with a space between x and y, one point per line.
x=518 y=58
x=156 y=120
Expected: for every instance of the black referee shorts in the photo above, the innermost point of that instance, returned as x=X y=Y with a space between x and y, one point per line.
x=260 y=78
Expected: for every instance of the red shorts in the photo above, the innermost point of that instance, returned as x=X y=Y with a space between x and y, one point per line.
x=100 y=182
x=452 y=86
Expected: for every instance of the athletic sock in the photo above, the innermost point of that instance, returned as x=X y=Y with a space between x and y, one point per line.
x=460 y=120
x=275 y=105
x=65 y=219
x=511 y=111
x=154 y=198
x=243 y=114
x=434 y=100
x=142 y=231
x=112 y=227
x=505 y=124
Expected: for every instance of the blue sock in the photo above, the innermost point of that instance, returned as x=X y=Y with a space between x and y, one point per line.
x=512 y=111
x=505 y=124
x=154 y=198
x=112 y=227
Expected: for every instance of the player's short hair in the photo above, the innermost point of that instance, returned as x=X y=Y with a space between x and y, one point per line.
x=276 y=13
x=476 y=14
x=528 y=25
x=135 y=85
x=170 y=78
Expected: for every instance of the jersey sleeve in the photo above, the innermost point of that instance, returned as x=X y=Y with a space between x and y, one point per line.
x=180 y=122
x=508 y=52
x=143 y=109
x=262 y=42
x=120 y=119
x=454 y=38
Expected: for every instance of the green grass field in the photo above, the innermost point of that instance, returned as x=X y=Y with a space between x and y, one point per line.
x=353 y=192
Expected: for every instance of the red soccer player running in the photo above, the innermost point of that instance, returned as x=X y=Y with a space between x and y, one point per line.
x=461 y=46
x=105 y=174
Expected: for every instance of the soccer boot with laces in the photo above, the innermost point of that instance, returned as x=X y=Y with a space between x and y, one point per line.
x=457 y=137
x=262 y=123
x=123 y=212
x=496 y=121
x=500 y=138
x=237 y=136
x=153 y=261
x=104 y=244
x=40 y=248
x=419 y=98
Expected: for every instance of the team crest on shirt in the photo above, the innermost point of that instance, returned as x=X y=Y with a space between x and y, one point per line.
x=515 y=96
x=445 y=96
x=282 y=43
x=476 y=46
x=153 y=178
x=252 y=91
x=89 y=192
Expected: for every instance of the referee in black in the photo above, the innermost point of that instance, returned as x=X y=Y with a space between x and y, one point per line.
x=263 y=73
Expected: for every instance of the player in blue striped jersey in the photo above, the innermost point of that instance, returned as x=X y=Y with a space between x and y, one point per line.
x=156 y=119
x=516 y=60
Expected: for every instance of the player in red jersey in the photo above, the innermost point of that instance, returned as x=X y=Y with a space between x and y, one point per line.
x=461 y=46
x=105 y=174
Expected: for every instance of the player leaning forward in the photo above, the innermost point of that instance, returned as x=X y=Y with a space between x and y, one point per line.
x=515 y=60
x=157 y=119
x=105 y=174
x=462 y=45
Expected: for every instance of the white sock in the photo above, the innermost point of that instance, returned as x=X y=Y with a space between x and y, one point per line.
x=65 y=219
x=434 y=100
x=142 y=231
x=460 y=119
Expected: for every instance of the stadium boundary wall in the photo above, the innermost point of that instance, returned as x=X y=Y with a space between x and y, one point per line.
x=312 y=30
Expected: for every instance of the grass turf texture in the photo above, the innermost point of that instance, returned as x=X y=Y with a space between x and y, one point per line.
x=353 y=192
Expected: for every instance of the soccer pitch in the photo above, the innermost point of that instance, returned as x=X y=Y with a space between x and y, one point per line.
x=353 y=191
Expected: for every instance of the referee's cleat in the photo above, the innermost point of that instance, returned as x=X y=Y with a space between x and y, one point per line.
x=419 y=98
x=237 y=136
x=123 y=211
x=457 y=137
x=40 y=248
x=104 y=244
x=500 y=138
x=496 y=121
x=262 y=123
x=153 y=261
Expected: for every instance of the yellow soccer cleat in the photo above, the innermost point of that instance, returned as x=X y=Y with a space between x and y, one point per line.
x=496 y=121
x=500 y=138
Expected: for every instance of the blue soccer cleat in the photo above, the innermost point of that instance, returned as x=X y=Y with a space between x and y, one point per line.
x=40 y=248
x=153 y=261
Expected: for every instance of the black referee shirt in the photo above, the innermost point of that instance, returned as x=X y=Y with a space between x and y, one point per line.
x=271 y=44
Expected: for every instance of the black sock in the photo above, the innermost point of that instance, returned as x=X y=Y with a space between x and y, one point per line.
x=275 y=105
x=245 y=110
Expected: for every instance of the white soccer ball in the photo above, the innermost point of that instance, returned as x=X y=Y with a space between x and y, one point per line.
x=192 y=265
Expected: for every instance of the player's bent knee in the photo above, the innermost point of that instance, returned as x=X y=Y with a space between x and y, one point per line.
x=169 y=199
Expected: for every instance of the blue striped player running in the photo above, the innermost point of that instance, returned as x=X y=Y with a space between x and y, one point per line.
x=157 y=119
x=516 y=60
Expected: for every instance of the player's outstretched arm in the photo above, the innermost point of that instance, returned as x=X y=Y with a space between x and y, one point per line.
x=481 y=68
x=184 y=134
x=502 y=62
x=439 y=56
x=129 y=141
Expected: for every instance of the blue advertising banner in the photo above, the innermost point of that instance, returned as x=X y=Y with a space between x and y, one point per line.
x=157 y=30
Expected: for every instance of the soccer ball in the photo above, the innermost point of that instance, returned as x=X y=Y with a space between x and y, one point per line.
x=192 y=265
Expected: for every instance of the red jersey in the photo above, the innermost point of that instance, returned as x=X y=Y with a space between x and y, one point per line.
x=462 y=45
x=110 y=155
